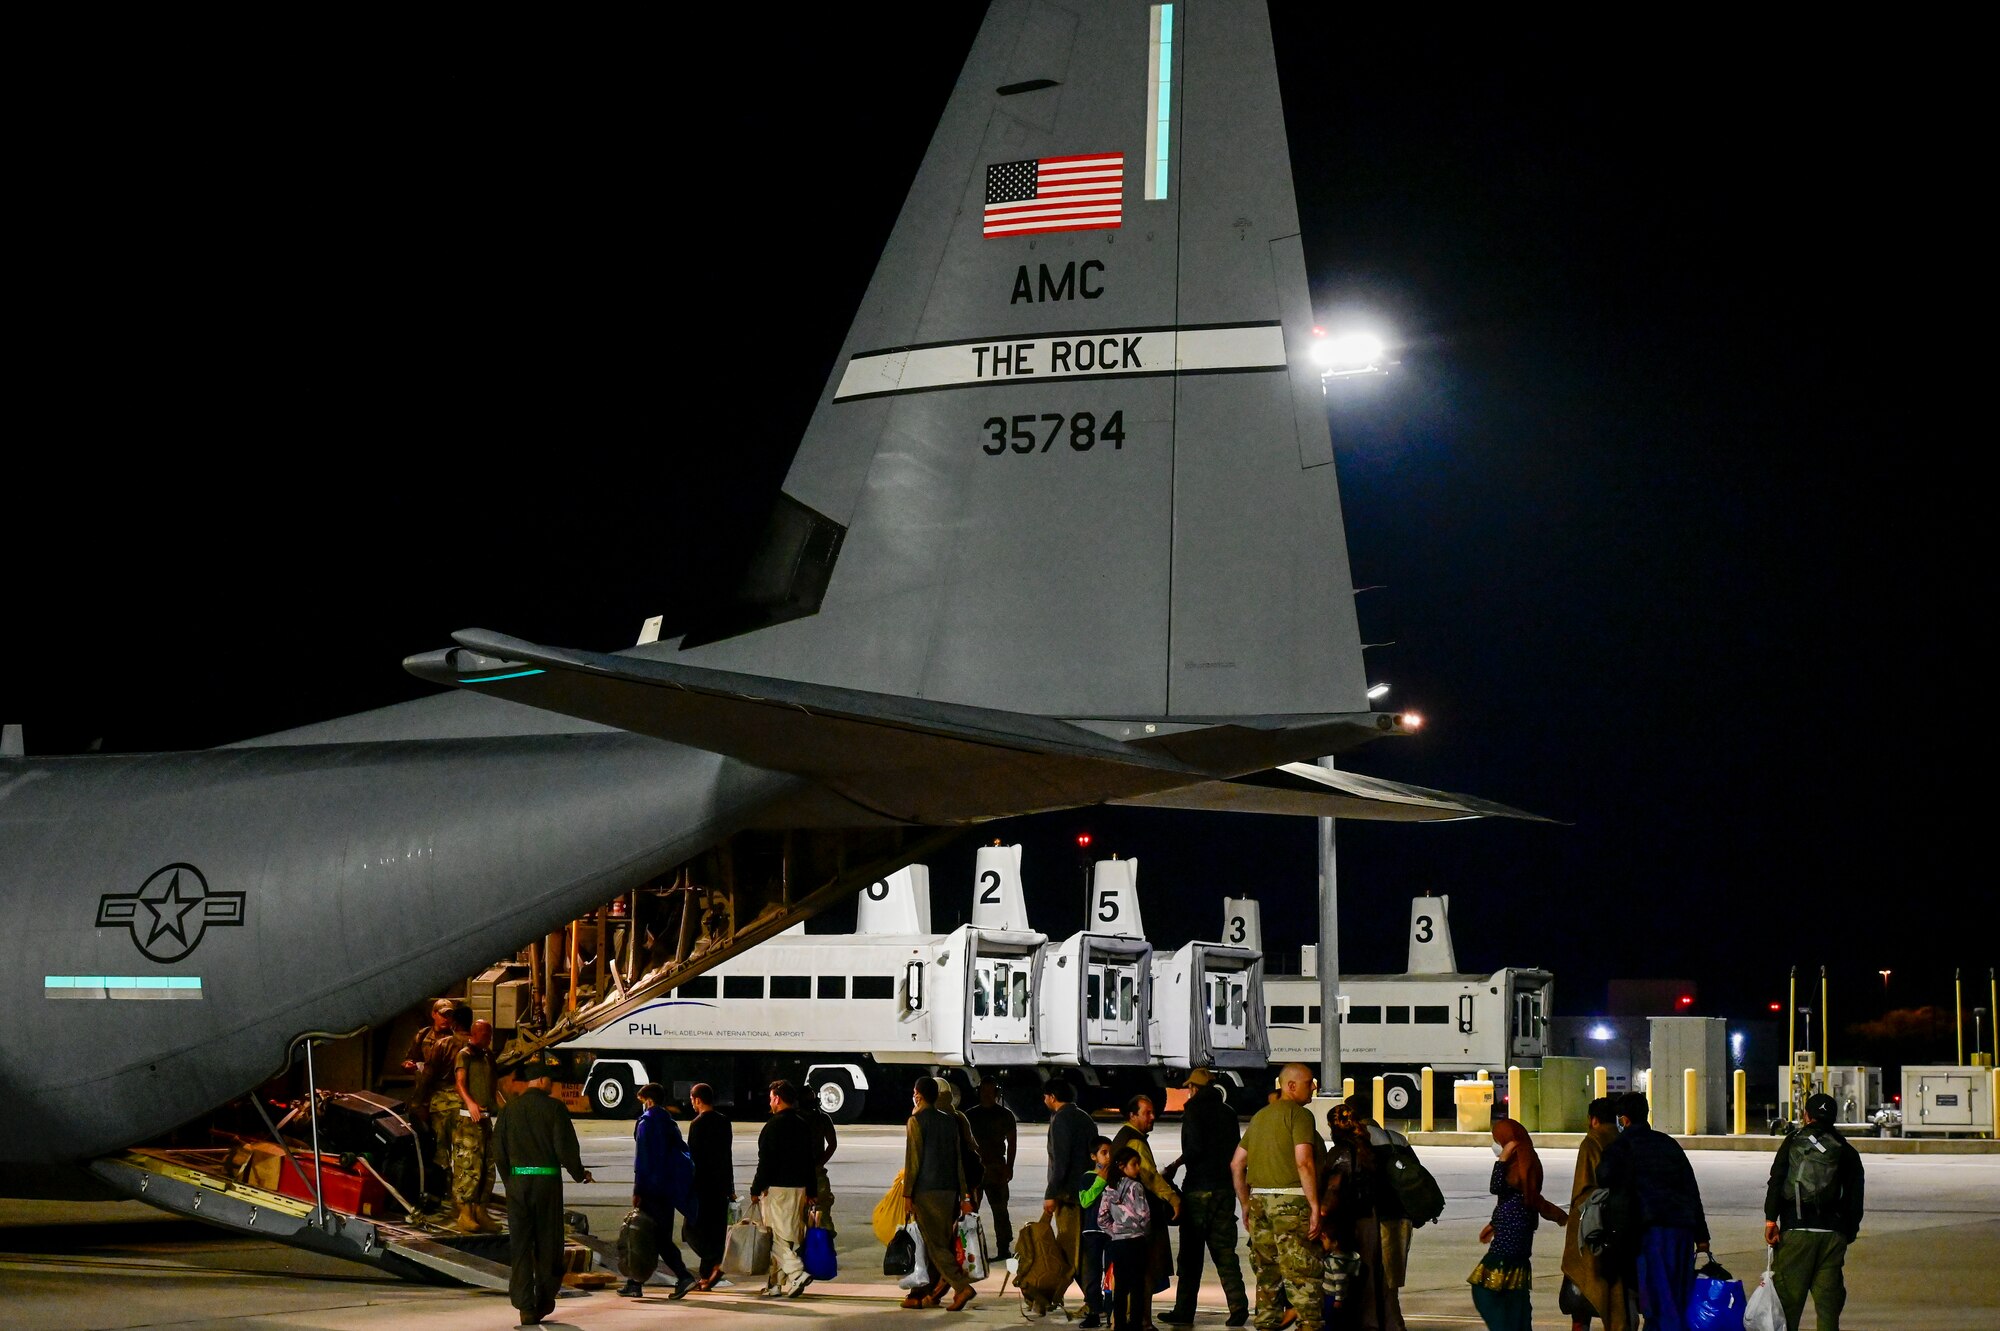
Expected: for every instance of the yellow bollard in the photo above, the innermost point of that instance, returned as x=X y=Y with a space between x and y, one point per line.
x=1741 y=1091
x=1514 y=1094
x=1995 y=1075
x=1347 y=1088
x=1381 y=1105
x=1484 y=1075
x=1690 y=1101
x=1430 y=1105
x=1600 y=1083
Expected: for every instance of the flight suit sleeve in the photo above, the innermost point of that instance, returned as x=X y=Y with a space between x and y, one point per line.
x=572 y=1156
x=500 y=1160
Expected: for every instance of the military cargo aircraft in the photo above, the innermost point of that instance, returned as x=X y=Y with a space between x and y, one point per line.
x=1063 y=530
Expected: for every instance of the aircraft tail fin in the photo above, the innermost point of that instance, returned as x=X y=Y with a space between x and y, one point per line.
x=1073 y=459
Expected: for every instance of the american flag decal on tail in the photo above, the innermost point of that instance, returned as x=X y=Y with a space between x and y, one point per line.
x=1083 y=193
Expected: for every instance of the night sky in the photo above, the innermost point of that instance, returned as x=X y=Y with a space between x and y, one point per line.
x=342 y=355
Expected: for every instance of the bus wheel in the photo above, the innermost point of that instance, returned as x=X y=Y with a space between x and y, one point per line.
x=1400 y=1095
x=612 y=1094
x=838 y=1097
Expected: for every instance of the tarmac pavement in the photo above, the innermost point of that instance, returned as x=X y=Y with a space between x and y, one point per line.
x=1928 y=1258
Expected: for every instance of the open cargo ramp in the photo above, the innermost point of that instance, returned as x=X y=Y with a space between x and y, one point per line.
x=180 y=1182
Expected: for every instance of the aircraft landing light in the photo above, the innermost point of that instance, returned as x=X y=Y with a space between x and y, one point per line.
x=490 y=679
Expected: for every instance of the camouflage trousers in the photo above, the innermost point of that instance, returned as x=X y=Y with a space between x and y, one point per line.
x=1284 y=1260
x=1208 y=1219
x=470 y=1143
x=444 y=1107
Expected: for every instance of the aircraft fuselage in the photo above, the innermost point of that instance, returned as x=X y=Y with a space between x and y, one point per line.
x=178 y=920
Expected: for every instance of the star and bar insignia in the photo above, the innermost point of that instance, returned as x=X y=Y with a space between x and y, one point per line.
x=170 y=912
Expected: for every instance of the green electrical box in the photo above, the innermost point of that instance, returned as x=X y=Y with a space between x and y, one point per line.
x=1528 y=1113
x=1565 y=1087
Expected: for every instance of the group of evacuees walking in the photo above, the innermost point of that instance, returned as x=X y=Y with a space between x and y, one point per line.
x=1646 y=1270
x=1310 y=1205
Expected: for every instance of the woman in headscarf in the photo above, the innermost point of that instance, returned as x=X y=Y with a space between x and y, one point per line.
x=1595 y=1278
x=1501 y=1281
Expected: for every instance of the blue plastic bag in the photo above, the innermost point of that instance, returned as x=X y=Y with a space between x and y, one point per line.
x=821 y=1264
x=1717 y=1305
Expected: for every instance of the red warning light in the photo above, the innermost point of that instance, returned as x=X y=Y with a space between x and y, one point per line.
x=1082 y=840
x=1687 y=1000
x=1777 y=1007
x=1896 y=1099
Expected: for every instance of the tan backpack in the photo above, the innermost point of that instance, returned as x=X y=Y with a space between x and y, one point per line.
x=1041 y=1269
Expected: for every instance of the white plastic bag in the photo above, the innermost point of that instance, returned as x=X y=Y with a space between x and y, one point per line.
x=1763 y=1312
x=972 y=1238
x=921 y=1276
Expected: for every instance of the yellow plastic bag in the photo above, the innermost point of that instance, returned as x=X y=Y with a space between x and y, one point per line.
x=888 y=1217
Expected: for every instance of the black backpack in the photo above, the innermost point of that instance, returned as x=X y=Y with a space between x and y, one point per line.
x=1416 y=1191
x=638 y=1246
x=1812 y=1175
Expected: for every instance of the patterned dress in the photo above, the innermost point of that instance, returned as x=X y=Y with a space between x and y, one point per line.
x=1505 y=1266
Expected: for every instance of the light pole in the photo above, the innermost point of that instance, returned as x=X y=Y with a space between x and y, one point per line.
x=1798 y=1105
x=1330 y=1073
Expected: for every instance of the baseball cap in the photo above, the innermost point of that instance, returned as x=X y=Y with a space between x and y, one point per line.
x=1820 y=1108
x=1198 y=1077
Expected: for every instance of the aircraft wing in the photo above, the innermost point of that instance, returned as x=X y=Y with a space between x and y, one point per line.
x=1305 y=789
x=915 y=759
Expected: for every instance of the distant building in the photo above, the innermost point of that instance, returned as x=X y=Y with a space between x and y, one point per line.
x=1652 y=998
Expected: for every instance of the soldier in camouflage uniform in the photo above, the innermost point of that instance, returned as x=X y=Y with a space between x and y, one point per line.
x=1276 y=1172
x=441 y=1076
x=472 y=1134
x=418 y=1061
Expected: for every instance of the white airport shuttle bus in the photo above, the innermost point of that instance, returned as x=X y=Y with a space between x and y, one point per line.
x=857 y=1017
x=1434 y=1015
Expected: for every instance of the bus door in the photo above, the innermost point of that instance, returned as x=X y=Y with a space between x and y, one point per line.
x=1000 y=1010
x=1111 y=1003
x=1225 y=1000
x=1529 y=1022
